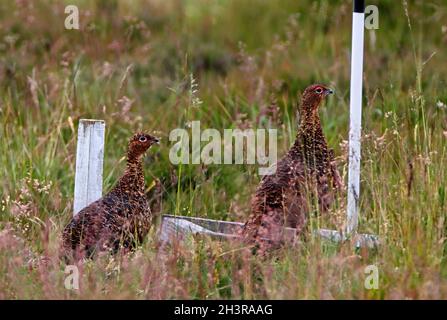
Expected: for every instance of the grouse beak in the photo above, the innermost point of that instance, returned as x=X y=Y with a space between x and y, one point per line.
x=328 y=92
x=156 y=140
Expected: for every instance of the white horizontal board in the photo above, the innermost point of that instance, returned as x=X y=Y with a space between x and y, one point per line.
x=179 y=227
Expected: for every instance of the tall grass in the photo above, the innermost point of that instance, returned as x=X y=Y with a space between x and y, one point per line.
x=132 y=64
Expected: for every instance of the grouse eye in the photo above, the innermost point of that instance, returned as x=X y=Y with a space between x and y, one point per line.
x=143 y=139
x=319 y=90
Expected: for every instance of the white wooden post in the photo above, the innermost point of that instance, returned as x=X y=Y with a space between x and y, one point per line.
x=89 y=163
x=358 y=22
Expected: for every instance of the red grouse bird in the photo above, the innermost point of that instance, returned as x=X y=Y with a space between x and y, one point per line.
x=121 y=218
x=281 y=199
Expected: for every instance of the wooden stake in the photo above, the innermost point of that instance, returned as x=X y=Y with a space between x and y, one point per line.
x=89 y=163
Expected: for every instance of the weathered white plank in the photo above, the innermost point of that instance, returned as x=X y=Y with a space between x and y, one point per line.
x=180 y=228
x=89 y=163
x=359 y=240
x=358 y=19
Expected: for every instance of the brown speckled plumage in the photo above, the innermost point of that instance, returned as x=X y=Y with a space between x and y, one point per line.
x=121 y=218
x=307 y=169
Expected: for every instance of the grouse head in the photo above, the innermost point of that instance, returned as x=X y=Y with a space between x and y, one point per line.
x=140 y=143
x=313 y=95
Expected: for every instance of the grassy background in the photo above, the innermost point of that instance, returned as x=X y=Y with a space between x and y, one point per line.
x=132 y=64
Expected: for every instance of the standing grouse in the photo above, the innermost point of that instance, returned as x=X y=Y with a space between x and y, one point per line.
x=121 y=218
x=281 y=199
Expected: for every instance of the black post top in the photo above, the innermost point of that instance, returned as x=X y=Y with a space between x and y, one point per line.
x=359 y=6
